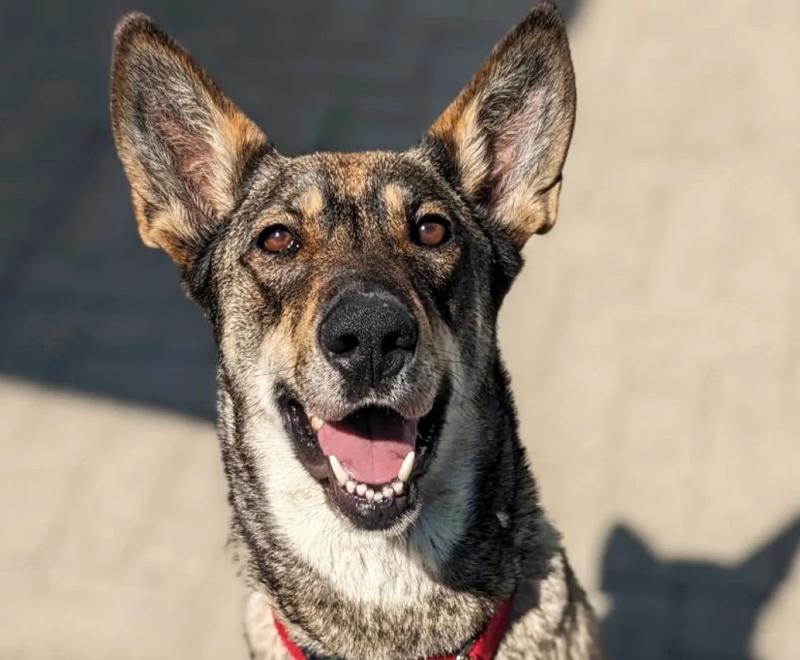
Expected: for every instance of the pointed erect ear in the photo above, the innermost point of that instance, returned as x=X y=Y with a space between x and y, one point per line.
x=768 y=565
x=184 y=146
x=508 y=132
x=626 y=554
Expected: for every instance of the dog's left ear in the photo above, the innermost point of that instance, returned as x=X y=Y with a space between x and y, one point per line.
x=508 y=132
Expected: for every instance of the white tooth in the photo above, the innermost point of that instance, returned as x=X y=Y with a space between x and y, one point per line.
x=316 y=423
x=388 y=493
x=370 y=494
x=397 y=486
x=361 y=489
x=338 y=470
x=350 y=485
x=405 y=468
x=379 y=497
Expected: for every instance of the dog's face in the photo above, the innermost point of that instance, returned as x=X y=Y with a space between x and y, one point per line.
x=341 y=290
x=353 y=296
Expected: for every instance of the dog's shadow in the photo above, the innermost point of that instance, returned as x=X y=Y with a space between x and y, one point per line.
x=666 y=609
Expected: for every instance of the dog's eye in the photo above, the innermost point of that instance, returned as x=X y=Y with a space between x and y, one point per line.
x=278 y=239
x=432 y=230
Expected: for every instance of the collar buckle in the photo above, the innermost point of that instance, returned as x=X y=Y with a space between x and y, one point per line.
x=464 y=651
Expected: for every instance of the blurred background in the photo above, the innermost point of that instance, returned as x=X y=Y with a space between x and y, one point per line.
x=653 y=338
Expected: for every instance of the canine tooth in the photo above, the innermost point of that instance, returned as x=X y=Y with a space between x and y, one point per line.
x=316 y=423
x=405 y=468
x=388 y=492
x=338 y=470
x=369 y=494
x=378 y=497
x=397 y=487
x=350 y=486
x=361 y=489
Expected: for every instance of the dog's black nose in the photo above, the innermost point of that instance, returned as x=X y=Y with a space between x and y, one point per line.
x=368 y=334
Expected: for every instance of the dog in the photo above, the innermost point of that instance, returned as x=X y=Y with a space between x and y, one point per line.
x=382 y=503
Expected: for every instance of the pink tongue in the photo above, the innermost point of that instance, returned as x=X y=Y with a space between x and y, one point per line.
x=371 y=447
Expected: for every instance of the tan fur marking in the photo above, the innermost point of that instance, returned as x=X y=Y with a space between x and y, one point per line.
x=310 y=202
x=432 y=207
x=354 y=174
x=538 y=211
x=234 y=139
x=395 y=197
x=471 y=157
x=168 y=228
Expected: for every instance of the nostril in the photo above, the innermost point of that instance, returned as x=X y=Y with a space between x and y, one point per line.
x=342 y=344
x=405 y=340
x=390 y=342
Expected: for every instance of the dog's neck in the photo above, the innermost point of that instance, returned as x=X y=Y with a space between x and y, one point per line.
x=352 y=593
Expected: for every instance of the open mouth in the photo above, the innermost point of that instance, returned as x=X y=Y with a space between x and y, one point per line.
x=369 y=461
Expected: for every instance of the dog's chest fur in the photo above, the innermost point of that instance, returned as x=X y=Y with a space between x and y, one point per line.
x=481 y=537
x=550 y=621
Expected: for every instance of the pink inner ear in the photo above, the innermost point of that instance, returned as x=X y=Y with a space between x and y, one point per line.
x=190 y=153
x=516 y=151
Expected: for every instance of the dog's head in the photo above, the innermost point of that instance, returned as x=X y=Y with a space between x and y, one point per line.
x=353 y=296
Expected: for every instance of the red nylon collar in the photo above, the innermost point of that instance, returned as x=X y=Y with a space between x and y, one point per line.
x=483 y=648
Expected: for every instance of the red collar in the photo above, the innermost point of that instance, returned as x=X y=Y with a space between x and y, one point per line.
x=483 y=648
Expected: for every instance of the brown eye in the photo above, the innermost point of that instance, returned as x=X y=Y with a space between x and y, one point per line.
x=278 y=239
x=432 y=230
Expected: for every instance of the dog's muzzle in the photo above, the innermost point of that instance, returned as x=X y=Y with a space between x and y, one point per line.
x=367 y=415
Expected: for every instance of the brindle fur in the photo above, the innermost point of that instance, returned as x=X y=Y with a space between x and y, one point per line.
x=205 y=182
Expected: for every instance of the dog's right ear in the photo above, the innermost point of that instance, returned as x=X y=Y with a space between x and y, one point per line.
x=507 y=133
x=185 y=146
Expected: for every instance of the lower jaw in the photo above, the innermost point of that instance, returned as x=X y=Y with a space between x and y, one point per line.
x=387 y=514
